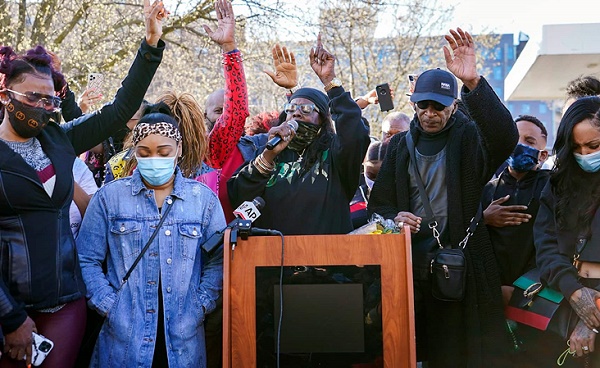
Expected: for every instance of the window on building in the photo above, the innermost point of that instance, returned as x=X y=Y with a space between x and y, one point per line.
x=499 y=91
x=510 y=52
x=497 y=71
x=543 y=108
x=498 y=53
x=525 y=109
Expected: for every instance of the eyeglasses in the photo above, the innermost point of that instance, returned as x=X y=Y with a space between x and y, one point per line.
x=40 y=100
x=305 y=109
x=425 y=104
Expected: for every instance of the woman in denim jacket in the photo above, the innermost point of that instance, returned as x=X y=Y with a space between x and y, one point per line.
x=156 y=317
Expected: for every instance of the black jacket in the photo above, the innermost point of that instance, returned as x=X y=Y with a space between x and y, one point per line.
x=475 y=148
x=555 y=247
x=312 y=203
x=513 y=245
x=38 y=259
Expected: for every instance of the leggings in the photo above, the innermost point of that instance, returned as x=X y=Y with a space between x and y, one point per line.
x=64 y=328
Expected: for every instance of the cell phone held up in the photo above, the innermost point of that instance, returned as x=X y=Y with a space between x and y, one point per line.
x=95 y=80
x=384 y=97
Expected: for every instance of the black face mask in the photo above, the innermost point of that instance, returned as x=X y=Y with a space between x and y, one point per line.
x=28 y=121
x=305 y=135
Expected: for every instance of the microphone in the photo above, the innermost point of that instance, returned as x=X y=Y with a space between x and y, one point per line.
x=245 y=214
x=277 y=139
x=263 y=232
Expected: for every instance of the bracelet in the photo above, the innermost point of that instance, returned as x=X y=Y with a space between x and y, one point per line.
x=263 y=166
x=261 y=169
x=265 y=163
x=235 y=57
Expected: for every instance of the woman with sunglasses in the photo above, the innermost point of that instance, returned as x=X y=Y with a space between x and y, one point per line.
x=41 y=288
x=308 y=179
x=567 y=228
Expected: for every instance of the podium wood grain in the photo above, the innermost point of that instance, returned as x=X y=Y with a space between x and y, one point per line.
x=392 y=252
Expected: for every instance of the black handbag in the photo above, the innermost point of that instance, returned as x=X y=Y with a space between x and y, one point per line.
x=541 y=307
x=448 y=266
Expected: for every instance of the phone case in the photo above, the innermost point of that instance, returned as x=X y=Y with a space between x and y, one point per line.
x=41 y=347
x=384 y=96
x=95 y=80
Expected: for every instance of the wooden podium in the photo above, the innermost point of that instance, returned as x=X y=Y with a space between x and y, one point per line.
x=391 y=252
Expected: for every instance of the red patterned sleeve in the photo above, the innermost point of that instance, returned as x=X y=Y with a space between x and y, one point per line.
x=230 y=126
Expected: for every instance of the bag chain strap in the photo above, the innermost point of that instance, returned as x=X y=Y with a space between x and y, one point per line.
x=427 y=205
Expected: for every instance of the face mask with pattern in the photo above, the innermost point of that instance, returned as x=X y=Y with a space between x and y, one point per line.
x=523 y=158
x=28 y=121
x=305 y=135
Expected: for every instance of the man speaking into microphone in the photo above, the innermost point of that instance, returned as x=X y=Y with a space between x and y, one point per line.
x=309 y=171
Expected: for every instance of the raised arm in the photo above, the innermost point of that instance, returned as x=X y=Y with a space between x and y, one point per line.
x=498 y=131
x=352 y=136
x=87 y=131
x=229 y=127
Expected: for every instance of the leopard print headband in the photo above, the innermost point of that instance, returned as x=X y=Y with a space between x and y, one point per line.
x=142 y=130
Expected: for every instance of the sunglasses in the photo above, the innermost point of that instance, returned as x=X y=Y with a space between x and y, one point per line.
x=305 y=109
x=425 y=104
x=40 y=100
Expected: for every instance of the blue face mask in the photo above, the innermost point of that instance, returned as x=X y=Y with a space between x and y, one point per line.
x=523 y=158
x=156 y=170
x=588 y=163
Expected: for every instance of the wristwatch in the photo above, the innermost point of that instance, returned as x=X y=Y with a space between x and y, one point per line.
x=335 y=82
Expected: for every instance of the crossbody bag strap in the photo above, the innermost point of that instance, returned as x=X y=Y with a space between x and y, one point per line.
x=139 y=257
x=422 y=193
x=427 y=205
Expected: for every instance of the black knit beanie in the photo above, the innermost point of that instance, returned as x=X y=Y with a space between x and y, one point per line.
x=317 y=97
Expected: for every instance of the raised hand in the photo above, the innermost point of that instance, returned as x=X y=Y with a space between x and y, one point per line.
x=153 y=18
x=322 y=62
x=88 y=98
x=286 y=71
x=462 y=61
x=224 y=35
x=56 y=62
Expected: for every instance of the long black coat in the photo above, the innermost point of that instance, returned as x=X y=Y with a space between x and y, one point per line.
x=475 y=149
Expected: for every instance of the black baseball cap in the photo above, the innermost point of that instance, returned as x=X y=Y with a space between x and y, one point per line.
x=436 y=85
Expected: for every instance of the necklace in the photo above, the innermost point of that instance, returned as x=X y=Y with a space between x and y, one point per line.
x=299 y=160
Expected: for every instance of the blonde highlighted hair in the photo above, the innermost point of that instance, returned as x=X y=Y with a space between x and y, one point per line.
x=190 y=117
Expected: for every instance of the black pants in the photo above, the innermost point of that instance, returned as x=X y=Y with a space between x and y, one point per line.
x=213 y=334
x=440 y=329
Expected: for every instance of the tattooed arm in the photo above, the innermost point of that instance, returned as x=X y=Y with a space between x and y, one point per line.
x=583 y=302
x=580 y=337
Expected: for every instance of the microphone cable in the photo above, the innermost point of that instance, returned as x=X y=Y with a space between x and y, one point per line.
x=280 y=296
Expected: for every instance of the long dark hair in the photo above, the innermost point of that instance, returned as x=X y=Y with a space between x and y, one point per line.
x=577 y=192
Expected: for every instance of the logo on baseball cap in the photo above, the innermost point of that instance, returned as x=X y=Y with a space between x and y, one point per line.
x=436 y=85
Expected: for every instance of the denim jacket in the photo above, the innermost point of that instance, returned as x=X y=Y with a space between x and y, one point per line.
x=118 y=222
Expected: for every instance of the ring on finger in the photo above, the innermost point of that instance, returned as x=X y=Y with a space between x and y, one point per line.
x=585 y=348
